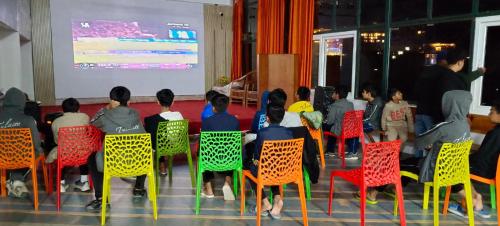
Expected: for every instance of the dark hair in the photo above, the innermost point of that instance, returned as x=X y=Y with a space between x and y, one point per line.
x=370 y=88
x=220 y=102
x=341 y=90
x=304 y=93
x=496 y=104
x=393 y=92
x=165 y=97
x=455 y=55
x=120 y=94
x=275 y=113
x=210 y=94
x=277 y=97
x=70 y=105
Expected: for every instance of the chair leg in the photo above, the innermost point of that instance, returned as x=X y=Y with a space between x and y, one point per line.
x=303 y=202
x=157 y=178
x=493 y=197
x=498 y=200
x=321 y=150
x=446 y=200
x=35 y=186
x=468 y=199
x=3 y=175
x=259 y=202
x=399 y=193
x=427 y=192
x=242 y=201
x=152 y=193
x=341 y=147
x=435 y=194
x=191 y=169
x=235 y=183
x=45 y=176
x=198 y=191
x=330 y=199
x=307 y=184
x=170 y=163
x=58 y=188
x=105 y=193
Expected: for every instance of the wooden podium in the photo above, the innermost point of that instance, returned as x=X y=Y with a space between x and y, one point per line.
x=278 y=71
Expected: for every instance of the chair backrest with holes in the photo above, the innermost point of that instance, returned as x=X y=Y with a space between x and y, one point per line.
x=452 y=164
x=352 y=124
x=76 y=143
x=128 y=155
x=380 y=163
x=16 y=148
x=280 y=161
x=220 y=151
x=172 y=138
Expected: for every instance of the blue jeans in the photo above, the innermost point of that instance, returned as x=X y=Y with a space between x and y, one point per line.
x=422 y=124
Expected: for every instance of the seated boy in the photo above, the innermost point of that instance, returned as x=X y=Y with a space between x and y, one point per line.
x=482 y=163
x=207 y=110
x=13 y=116
x=71 y=117
x=165 y=100
x=274 y=131
x=303 y=94
x=115 y=118
x=291 y=119
x=373 y=111
x=397 y=119
x=220 y=121
x=333 y=121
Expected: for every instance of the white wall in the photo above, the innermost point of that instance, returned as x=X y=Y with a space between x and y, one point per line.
x=27 y=69
x=10 y=62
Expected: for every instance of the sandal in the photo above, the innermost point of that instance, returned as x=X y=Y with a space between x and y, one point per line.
x=357 y=196
x=253 y=211
x=275 y=217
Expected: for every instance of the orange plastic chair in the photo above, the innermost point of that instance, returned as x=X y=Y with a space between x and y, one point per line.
x=380 y=166
x=352 y=127
x=280 y=163
x=17 y=152
x=494 y=191
x=74 y=145
x=316 y=134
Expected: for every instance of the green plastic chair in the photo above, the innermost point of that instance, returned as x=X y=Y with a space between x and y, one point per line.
x=172 y=139
x=219 y=151
x=307 y=186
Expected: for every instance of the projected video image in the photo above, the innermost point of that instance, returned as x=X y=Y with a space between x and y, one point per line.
x=133 y=45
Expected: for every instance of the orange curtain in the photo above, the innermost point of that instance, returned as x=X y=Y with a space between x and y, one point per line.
x=238 y=16
x=300 y=36
x=270 y=26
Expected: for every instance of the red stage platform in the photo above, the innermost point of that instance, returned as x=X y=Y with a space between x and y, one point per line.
x=190 y=110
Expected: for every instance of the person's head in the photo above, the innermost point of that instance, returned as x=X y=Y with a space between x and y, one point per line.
x=456 y=59
x=277 y=97
x=165 y=97
x=14 y=98
x=209 y=95
x=340 y=92
x=495 y=112
x=369 y=92
x=303 y=93
x=396 y=95
x=120 y=96
x=220 y=103
x=70 y=105
x=275 y=113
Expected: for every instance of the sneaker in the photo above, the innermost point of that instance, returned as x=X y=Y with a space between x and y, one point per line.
x=94 y=206
x=64 y=187
x=228 y=193
x=139 y=192
x=82 y=186
x=456 y=209
x=17 y=189
x=330 y=154
x=351 y=156
x=357 y=196
x=485 y=214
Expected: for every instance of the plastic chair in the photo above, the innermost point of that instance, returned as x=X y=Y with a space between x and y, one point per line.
x=128 y=155
x=452 y=167
x=380 y=166
x=316 y=134
x=280 y=163
x=219 y=151
x=17 y=152
x=74 y=146
x=172 y=139
x=352 y=127
x=262 y=120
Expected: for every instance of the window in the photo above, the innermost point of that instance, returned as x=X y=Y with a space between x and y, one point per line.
x=409 y=9
x=489 y=5
x=315 y=62
x=346 y=13
x=491 y=80
x=372 y=12
x=323 y=15
x=339 y=59
x=413 y=48
x=371 y=58
x=450 y=8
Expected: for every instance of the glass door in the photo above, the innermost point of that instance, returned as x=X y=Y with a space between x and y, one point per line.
x=486 y=54
x=337 y=55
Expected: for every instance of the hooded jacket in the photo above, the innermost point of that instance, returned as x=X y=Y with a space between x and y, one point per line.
x=12 y=115
x=336 y=112
x=261 y=111
x=373 y=112
x=455 y=106
x=119 y=120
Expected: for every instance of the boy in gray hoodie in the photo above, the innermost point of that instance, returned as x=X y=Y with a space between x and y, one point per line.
x=115 y=118
x=12 y=116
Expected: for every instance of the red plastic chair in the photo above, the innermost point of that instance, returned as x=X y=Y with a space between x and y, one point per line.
x=380 y=166
x=352 y=127
x=74 y=146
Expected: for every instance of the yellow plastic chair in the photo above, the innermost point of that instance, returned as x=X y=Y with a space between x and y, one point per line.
x=128 y=155
x=452 y=167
